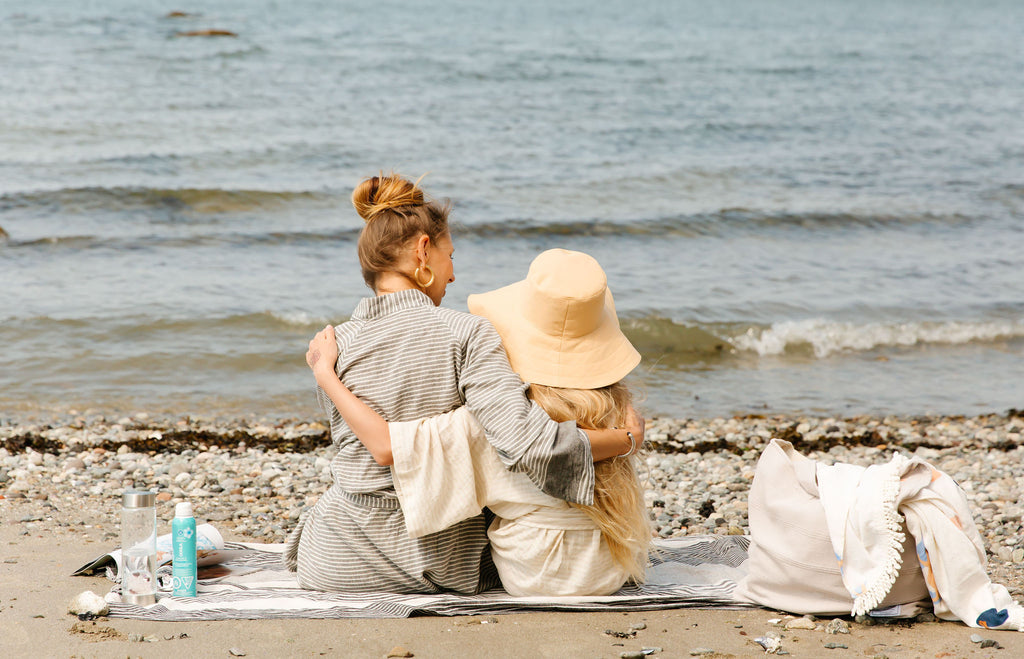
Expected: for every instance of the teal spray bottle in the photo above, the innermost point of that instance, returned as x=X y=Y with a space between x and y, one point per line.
x=183 y=546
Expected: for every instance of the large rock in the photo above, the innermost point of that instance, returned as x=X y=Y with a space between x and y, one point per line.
x=206 y=33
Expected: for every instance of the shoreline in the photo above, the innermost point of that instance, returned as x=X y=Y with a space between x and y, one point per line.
x=60 y=486
x=61 y=431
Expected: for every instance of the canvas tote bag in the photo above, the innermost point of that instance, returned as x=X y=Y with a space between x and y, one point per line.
x=792 y=564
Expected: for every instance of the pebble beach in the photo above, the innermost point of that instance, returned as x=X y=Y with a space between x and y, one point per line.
x=61 y=481
x=806 y=211
x=251 y=478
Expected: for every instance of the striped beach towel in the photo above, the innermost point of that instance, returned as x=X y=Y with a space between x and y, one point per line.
x=684 y=572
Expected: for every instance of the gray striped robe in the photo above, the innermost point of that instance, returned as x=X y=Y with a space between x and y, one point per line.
x=408 y=359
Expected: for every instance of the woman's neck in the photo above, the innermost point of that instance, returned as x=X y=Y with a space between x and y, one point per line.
x=392 y=282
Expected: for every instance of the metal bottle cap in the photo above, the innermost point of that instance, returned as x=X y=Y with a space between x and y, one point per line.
x=138 y=499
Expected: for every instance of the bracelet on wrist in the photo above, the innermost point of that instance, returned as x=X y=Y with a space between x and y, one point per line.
x=632 y=446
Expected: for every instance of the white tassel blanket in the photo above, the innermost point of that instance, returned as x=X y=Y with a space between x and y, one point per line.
x=865 y=508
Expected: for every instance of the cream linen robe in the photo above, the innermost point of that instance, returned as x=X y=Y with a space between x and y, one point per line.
x=445 y=471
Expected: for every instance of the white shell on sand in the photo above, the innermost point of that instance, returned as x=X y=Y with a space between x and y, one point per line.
x=88 y=602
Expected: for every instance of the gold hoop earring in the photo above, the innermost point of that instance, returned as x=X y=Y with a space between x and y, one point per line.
x=416 y=276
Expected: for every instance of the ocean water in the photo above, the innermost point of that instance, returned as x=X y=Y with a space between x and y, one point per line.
x=810 y=207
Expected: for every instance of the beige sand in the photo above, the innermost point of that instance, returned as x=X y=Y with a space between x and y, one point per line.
x=35 y=589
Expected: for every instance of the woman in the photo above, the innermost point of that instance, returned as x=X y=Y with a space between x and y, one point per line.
x=561 y=335
x=408 y=358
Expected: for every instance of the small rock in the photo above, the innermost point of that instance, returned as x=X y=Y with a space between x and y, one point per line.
x=836 y=646
x=991 y=643
x=237 y=652
x=927 y=616
x=639 y=626
x=477 y=621
x=135 y=637
x=976 y=638
x=88 y=603
x=399 y=651
x=837 y=626
x=700 y=652
x=801 y=623
x=615 y=634
x=1018 y=555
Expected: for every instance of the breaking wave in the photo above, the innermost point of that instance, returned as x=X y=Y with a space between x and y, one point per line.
x=828 y=337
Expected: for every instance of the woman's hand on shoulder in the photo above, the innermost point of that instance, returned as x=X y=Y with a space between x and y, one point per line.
x=323 y=353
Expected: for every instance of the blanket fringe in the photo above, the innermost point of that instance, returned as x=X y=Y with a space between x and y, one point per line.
x=876 y=591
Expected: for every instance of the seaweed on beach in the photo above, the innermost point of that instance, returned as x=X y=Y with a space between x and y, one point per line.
x=861 y=434
x=160 y=440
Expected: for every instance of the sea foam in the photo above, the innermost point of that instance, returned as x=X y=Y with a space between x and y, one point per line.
x=829 y=337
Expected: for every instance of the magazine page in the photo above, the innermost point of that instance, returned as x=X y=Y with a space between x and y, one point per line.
x=209 y=551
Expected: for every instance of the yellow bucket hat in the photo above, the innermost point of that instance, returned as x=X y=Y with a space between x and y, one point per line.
x=559 y=325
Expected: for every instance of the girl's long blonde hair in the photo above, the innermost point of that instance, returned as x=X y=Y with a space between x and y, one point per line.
x=618 y=509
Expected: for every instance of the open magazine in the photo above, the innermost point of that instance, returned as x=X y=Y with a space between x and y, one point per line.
x=209 y=551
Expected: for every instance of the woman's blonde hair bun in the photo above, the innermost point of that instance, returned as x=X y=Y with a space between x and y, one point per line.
x=382 y=193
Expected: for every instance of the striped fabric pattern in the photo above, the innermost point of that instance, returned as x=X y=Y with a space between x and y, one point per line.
x=704 y=571
x=408 y=359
